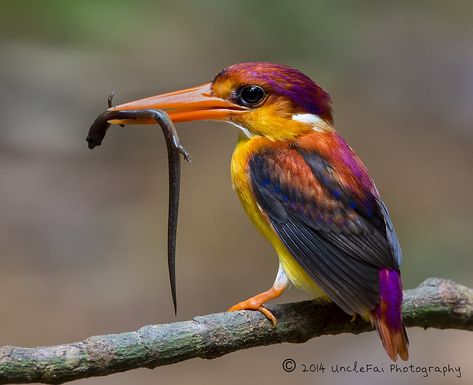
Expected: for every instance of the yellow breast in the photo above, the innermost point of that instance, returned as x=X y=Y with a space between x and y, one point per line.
x=244 y=149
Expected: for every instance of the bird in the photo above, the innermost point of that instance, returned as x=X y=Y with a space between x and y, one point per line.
x=304 y=188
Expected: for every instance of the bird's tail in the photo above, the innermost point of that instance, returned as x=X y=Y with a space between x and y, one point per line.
x=386 y=317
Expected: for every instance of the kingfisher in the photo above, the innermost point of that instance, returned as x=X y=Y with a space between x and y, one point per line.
x=304 y=188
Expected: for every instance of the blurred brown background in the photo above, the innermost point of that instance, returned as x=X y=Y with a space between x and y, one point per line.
x=82 y=233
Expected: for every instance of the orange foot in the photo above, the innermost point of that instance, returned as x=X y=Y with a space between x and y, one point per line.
x=257 y=303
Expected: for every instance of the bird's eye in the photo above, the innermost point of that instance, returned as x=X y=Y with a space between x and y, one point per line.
x=251 y=96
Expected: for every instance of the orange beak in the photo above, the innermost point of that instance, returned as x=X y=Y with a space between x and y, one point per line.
x=195 y=103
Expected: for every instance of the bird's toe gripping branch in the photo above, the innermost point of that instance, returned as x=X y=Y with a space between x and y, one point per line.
x=257 y=302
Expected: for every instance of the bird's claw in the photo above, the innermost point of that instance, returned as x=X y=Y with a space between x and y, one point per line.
x=268 y=315
x=245 y=305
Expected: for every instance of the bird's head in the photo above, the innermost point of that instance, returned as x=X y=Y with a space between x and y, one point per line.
x=265 y=99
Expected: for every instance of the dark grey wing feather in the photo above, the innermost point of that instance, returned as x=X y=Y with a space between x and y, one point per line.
x=341 y=243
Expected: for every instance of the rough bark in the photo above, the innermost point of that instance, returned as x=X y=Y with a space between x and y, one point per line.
x=436 y=303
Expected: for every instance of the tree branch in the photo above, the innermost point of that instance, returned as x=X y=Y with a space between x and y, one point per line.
x=436 y=303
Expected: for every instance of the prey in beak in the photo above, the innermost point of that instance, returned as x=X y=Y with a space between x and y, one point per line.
x=195 y=103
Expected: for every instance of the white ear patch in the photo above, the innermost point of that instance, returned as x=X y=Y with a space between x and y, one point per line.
x=308 y=119
x=317 y=123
